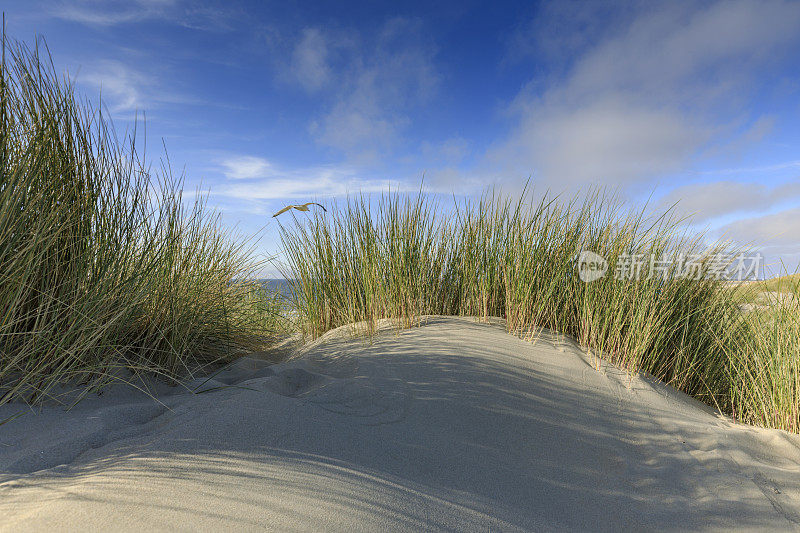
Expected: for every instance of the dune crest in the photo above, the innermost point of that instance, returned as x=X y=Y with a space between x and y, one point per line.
x=451 y=425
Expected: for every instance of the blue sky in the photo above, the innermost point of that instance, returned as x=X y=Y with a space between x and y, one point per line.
x=265 y=103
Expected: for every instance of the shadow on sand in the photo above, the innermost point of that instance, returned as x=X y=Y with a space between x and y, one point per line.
x=453 y=425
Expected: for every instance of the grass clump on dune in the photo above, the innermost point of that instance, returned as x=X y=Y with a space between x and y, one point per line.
x=764 y=354
x=404 y=256
x=103 y=265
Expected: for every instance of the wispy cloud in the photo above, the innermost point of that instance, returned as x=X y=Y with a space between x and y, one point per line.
x=374 y=82
x=309 y=63
x=121 y=87
x=126 y=89
x=112 y=13
x=256 y=178
x=247 y=167
x=108 y=13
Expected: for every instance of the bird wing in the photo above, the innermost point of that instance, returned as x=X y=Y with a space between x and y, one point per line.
x=282 y=211
x=302 y=207
x=305 y=206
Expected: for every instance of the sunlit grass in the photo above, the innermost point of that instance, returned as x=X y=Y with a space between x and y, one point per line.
x=402 y=257
x=764 y=356
x=104 y=266
x=107 y=269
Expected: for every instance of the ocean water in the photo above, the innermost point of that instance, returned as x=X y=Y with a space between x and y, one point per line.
x=279 y=285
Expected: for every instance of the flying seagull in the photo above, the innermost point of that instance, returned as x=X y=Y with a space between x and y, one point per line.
x=299 y=207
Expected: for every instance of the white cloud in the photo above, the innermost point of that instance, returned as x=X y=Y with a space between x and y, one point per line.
x=315 y=183
x=255 y=178
x=775 y=235
x=644 y=96
x=706 y=201
x=608 y=141
x=673 y=52
x=247 y=167
x=772 y=230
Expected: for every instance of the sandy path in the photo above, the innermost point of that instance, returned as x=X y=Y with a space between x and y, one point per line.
x=453 y=426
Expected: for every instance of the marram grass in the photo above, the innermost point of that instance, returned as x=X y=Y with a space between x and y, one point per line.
x=104 y=267
x=405 y=256
x=764 y=355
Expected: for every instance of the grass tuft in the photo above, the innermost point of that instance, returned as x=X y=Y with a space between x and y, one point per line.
x=104 y=266
x=402 y=257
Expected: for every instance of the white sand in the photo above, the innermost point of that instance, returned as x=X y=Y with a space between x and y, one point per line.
x=452 y=426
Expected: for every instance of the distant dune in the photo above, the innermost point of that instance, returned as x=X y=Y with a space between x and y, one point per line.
x=453 y=425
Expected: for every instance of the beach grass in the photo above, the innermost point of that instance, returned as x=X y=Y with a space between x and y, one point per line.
x=405 y=256
x=764 y=355
x=105 y=268
x=789 y=283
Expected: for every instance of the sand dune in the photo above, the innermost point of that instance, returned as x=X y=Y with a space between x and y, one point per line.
x=454 y=425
